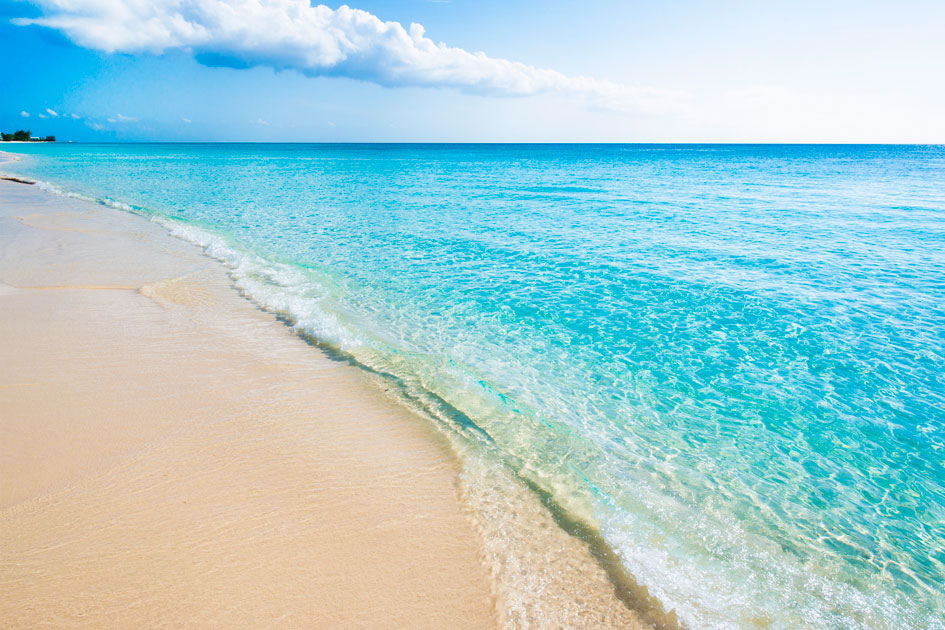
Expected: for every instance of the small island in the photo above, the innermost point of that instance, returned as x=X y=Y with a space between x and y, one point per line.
x=24 y=136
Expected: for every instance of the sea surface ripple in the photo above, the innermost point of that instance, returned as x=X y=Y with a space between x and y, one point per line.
x=729 y=360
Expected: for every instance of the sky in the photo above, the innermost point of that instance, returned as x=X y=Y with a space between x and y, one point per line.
x=474 y=70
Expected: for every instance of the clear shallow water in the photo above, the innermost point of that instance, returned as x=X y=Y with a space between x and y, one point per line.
x=728 y=359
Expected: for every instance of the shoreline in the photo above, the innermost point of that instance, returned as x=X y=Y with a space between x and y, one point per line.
x=173 y=454
x=599 y=476
x=555 y=564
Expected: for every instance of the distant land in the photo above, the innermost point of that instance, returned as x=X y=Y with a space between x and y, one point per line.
x=24 y=136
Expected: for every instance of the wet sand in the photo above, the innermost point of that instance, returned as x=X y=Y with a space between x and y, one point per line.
x=172 y=455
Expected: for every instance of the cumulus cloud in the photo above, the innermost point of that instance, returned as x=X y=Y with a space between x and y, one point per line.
x=25 y=114
x=52 y=113
x=320 y=41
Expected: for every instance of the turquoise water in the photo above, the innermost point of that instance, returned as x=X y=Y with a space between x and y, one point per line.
x=730 y=360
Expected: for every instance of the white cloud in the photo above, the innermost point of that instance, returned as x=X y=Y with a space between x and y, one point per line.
x=25 y=114
x=186 y=120
x=52 y=113
x=74 y=116
x=264 y=123
x=41 y=115
x=96 y=126
x=320 y=41
x=118 y=118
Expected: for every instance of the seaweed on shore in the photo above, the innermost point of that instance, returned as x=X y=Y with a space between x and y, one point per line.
x=18 y=180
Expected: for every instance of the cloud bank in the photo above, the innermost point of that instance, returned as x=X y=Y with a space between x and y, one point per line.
x=320 y=41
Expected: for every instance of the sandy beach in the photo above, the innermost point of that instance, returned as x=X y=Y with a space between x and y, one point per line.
x=472 y=315
x=174 y=456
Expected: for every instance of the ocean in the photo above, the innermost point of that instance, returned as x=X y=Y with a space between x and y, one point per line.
x=726 y=362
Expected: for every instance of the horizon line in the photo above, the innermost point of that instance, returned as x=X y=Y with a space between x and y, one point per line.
x=485 y=142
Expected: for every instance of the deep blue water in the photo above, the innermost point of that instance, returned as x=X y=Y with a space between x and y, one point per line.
x=728 y=359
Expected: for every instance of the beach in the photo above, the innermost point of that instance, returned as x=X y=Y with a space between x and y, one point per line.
x=450 y=314
x=173 y=455
x=492 y=385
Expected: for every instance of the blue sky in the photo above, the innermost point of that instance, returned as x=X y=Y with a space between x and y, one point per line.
x=599 y=70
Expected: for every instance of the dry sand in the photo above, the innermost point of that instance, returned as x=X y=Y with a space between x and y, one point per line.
x=171 y=455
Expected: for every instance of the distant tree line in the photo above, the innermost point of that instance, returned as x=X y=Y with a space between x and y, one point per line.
x=24 y=136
